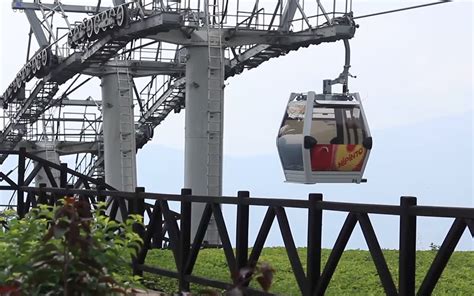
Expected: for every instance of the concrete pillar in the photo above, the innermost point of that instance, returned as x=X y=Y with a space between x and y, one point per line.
x=119 y=132
x=199 y=146
x=47 y=151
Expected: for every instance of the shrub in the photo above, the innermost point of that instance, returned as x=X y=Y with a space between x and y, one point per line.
x=67 y=250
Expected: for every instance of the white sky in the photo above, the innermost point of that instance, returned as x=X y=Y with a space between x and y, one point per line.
x=411 y=67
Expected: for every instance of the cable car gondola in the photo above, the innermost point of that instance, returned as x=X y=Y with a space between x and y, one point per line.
x=325 y=138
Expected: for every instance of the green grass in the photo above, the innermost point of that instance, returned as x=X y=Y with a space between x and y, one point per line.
x=355 y=274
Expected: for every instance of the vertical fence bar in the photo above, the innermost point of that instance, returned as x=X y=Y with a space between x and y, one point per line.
x=100 y=187
x=315 y=221
x=134 y=207
x=42 y=199
x=140 y=202
x=242 y=230
x=157 y=241
x=137 y=207
x=407 y=259
x=29 y=202
x=100 y=196
x=20 y=194
x=68 y=193
x=63 y=176
x=185 y=239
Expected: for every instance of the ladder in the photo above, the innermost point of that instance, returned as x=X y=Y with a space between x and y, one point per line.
x=49 y=150
x=98 y=166
x=127 y=135
x=215 y=97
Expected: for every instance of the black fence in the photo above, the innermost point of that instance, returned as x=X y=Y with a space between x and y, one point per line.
x=173 y=230
x=25 y=200
x=25 y=177
x=312 y=281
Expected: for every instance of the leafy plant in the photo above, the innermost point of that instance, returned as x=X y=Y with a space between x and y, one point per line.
x=67 y=250
x=262 y=273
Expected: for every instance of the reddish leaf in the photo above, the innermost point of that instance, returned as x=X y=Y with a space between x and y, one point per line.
x=266 y=278
x=83 y=209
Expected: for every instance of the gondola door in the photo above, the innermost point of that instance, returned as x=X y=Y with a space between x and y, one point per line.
x=340 y=140
x=294 y=138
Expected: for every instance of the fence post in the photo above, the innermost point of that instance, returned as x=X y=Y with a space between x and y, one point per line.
x=68 y=188
x=185 y=240
x=137 y=207
x=42 y=199
x=100 y=187
x=63 y=176
x=158 y=235
x=407 y=256
x=242 y=230
x=315 y=221
x=20 y=194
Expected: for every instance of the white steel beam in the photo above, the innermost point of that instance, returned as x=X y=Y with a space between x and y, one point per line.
x=288 y=15
x=36 y=28
x=20 y=5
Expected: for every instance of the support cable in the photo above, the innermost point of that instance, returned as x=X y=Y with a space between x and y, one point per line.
x=401 y=9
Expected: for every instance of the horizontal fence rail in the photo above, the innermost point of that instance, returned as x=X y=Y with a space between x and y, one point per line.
x=395 y=210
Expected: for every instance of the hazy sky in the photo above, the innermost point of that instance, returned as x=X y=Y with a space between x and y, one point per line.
x=414 y=74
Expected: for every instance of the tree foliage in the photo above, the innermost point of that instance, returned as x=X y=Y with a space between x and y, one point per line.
x=67 y=250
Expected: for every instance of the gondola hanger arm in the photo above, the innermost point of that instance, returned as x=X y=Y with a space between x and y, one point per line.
x=343 y=78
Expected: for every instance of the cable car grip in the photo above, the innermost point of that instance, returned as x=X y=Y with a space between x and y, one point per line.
x=344 y=76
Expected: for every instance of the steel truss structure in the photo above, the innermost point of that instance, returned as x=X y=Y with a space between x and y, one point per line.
x=42 y=108
x=153 y=57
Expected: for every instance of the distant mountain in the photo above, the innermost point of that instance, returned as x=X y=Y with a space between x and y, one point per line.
x=431 y=160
